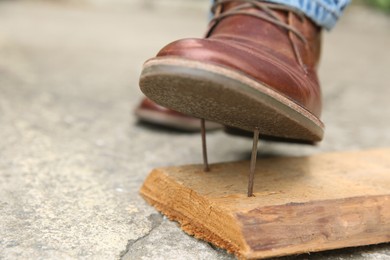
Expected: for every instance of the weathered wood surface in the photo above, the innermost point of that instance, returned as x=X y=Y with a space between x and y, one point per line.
x=301 y=204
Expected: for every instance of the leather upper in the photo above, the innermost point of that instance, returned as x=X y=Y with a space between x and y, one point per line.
x=263 y=51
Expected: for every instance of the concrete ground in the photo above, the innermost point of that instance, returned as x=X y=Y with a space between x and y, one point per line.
x=73 y=157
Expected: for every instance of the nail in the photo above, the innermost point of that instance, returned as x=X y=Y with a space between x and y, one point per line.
x=206 y=167
x=253 y=162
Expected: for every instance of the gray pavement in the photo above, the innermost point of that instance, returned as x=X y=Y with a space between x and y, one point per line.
x=72 y=156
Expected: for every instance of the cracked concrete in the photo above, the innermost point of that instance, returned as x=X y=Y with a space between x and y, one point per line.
x=176 y=246
x=155 y=221
x=73 y=157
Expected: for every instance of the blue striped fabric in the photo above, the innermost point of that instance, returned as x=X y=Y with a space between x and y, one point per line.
x=325 y=13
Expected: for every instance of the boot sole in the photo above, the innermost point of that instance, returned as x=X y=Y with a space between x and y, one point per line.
x=228 y=97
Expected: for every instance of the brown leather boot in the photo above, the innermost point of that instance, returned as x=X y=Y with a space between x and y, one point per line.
x=255 y=69
x=150 y=112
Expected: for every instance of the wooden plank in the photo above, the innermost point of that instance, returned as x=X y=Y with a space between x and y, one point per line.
x=301 y=204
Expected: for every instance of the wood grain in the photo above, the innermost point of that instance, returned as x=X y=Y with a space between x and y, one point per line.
x=301 y=204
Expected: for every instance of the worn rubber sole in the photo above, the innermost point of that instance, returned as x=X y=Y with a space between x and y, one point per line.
x=228 y=97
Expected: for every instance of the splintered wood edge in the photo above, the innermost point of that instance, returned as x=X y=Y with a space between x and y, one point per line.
x=219 y=226
x=343 y=227
x=237 y=233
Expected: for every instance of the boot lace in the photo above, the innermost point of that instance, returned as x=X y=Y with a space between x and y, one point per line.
x=267 y=14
